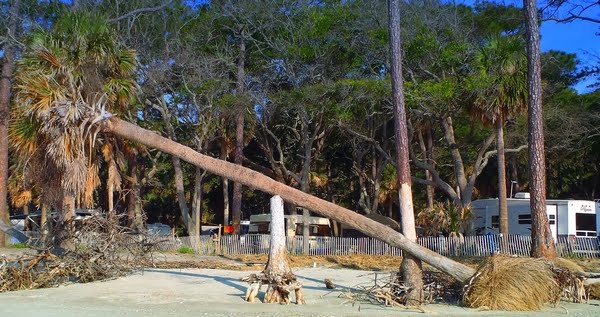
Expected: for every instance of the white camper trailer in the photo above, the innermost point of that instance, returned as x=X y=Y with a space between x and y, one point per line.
x=319 y=226
x=566 y=217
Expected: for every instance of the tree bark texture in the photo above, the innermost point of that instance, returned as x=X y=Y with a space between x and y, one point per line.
x=502 y=203
x=426 y=146
x=277 y=274
x=268 y=185
x=197 y=203
x=225 y=185
x=8 y=66
x=134 y=203
x=410 y=268
x=305 y=182
x=430 y=161
x=179 y=187
x=236 y=204
x=278 y=263
x=542 y=244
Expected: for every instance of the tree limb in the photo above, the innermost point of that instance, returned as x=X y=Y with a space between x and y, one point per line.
x=139 y=11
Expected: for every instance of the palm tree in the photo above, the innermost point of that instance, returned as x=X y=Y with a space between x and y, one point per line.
x=64 y=73
x=501 y=72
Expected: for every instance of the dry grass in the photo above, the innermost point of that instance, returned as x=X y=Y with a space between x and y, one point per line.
x=512 y=284
x=568 y=264
x=588 y=265
x=357 y=262
x=594 y=291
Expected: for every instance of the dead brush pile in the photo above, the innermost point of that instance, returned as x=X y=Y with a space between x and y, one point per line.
x=512 y=284
x=99 y=249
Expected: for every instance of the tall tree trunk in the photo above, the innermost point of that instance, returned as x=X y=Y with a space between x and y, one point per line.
x=305 y=182
x=426 y=157
x=430 y=161
x=134 y=203
x=514 y=174
x=68 y=207
x=179 y=187
x=62 y=240
x=26 y=221
x=502 y=203
x=8 y=66
x=110 y=188
x=111 y=195
x=410 y=268
x=179 y=183
x=44 y=219
x=197 y=203
x=236 y=205
x=225 y=185
x=542 y=243
x=268 y=185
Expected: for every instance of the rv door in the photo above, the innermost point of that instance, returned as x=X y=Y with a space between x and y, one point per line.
x=552 y=210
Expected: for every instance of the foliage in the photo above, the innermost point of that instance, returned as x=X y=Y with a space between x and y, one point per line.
x=444 y=217
x=64 y=74
x=317 y=82
x=185 y=250
x=20 y=245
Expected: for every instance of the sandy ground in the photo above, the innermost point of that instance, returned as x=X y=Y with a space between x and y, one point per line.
x=216 y=292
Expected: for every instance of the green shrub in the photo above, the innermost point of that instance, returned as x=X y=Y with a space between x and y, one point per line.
x=20 y=245
x=185 y=250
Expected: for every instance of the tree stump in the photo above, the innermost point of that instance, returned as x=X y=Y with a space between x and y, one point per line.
x=277 y=273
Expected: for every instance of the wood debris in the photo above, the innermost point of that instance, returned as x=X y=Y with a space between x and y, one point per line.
x=102 y=250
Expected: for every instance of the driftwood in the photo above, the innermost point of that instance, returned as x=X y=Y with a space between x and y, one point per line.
x=572 y=285
x=282 y=285
x=329 y=284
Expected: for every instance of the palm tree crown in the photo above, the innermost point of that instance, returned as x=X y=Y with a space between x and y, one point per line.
x=64 y=74
x=501 y=76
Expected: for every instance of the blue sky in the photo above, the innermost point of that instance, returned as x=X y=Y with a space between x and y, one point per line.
x=576 y=37
x=579 y=37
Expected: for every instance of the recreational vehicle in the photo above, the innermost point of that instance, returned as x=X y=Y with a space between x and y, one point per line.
x=319 y=226
x=575 y=218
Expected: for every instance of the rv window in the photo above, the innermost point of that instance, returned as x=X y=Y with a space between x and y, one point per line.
x=495 y=221
x=263 y=228
x=525 y=219
x=585 y=222
x=315 y=230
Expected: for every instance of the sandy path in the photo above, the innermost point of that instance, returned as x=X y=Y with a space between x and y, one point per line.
x=206 y=292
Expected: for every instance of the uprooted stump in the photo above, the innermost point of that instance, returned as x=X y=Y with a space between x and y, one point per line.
x=279 y=288
x=278 y=273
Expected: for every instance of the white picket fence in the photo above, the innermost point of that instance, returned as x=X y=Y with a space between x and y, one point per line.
x=470 y=246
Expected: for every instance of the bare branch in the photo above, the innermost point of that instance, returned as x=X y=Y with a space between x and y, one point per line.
x=140 y=11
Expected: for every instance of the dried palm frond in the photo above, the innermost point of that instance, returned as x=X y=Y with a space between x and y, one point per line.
x=568 y=264
x=511 y=283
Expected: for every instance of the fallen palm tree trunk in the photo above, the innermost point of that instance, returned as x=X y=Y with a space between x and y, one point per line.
x=511 y=289
x=259 y=181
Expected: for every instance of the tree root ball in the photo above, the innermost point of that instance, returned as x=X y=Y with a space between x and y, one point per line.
x=512 y=284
